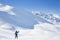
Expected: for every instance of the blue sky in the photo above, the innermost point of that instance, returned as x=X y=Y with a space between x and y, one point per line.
x=45 y=6
x=34 y=4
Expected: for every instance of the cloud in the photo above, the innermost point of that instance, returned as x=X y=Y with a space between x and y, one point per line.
x=7 y=8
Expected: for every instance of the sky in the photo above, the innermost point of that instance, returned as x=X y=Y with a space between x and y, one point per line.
x=44 y=6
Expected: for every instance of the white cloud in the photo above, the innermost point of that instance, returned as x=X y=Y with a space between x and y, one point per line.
x=7 y=8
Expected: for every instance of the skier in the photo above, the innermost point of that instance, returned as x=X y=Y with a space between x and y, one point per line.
x=16 y=34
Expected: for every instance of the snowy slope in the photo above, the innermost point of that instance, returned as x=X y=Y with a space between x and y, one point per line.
x=26 y=34
x=52 y=18
x=41 y=31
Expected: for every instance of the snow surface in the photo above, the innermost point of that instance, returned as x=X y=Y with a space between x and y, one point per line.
x=38 y=33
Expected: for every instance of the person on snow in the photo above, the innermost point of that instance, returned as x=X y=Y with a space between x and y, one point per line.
x=16 y=34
